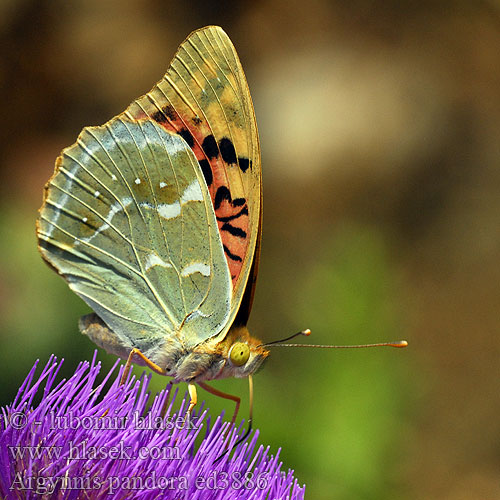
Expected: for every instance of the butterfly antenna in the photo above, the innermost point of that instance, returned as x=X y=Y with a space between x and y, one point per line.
x=306 y=332
x=250 y=418
x=280 y=343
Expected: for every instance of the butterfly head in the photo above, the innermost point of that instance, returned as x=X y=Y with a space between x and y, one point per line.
x=243 y=353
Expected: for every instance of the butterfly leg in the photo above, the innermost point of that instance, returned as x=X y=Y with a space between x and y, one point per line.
x=149 y=364
x=237 y=400
x=224 y=395
x=193 y=397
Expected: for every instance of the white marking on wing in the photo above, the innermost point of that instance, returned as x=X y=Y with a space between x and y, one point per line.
x=137 y=181
x=155 y=260
x=169 y=211
x=163 y=184
x=192 y=193
x=96 y=194
x=84 y=219
x=174 y=145
x=113 y=210
x=113 y=177
x=196 y=267
x=195 y=314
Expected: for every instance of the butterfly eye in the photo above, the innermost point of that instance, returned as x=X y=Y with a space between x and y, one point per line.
x=239 y=354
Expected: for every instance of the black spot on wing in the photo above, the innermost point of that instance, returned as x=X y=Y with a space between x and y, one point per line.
x=222 y=194
x=159 y=117
x=169 y=111
x=232 y=256
x=235 y=231
x=209 y=146
x=196 y=120
x=187 y=136
x=227 y=150
x=207 y=171
x=164 y=114
x=243 y=211
x=244 y=163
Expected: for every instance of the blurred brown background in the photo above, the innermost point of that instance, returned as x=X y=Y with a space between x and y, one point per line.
x=380 y=127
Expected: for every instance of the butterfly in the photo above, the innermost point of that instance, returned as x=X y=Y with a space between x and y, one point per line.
x=155 y=220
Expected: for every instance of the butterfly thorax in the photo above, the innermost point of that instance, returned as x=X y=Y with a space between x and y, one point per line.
x=209 y=360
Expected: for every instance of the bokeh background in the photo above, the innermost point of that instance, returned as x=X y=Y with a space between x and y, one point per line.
x=380 y=127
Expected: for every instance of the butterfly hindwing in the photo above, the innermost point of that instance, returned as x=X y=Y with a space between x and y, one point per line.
x=128 y=221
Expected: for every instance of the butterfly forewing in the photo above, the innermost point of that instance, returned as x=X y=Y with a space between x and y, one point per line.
x=128 y=221
x=204 y=97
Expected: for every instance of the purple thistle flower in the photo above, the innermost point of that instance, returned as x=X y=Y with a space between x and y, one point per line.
x=83 y=441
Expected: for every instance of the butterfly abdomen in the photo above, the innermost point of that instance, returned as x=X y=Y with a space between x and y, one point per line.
x=93 y=327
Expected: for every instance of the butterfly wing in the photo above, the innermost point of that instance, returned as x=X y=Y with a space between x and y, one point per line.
x=128 y=221
x=243 y=314
x=204 y=97
x=153 y=218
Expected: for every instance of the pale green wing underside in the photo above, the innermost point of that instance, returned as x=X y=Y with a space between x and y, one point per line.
x=128 y=221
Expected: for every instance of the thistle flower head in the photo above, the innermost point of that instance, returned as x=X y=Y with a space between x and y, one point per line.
x=79 y=439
